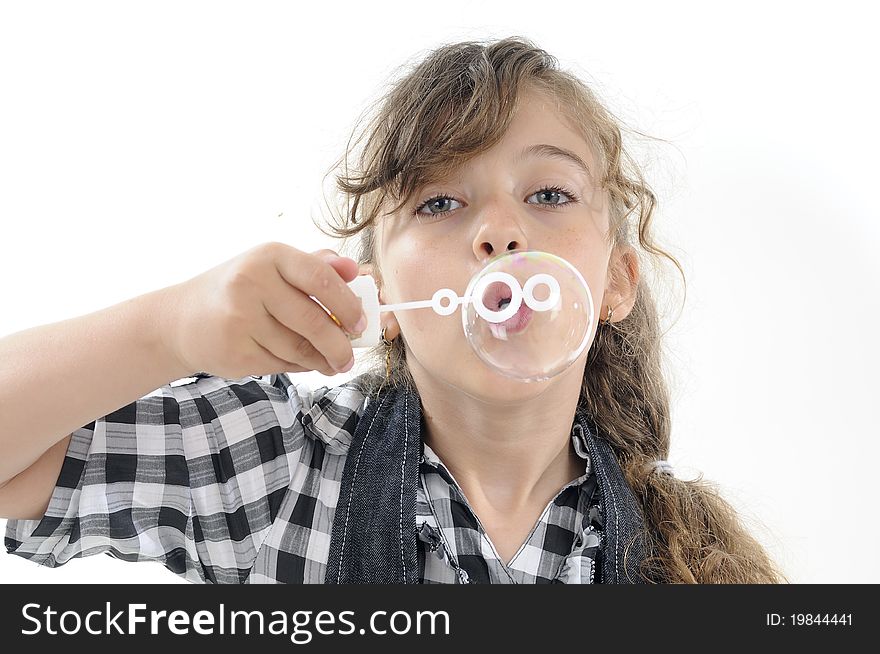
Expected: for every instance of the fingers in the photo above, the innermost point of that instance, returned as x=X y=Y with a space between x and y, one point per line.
x=345 y=267
x=298 y=329
x=274 y=364
x=313 y=276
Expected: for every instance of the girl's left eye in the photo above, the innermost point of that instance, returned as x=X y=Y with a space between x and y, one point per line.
x=550 y=193
x=553 y=192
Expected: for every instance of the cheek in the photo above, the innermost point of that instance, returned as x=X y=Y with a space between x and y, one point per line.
x=593 y=271
x=417 y=280
x=592 y=266
x=424 y=320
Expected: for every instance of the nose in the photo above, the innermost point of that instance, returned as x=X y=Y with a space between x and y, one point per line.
x=500 y=230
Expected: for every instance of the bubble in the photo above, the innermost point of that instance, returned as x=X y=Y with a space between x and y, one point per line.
x=527 y=314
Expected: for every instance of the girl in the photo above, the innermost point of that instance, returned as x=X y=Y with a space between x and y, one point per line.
x=429 y=468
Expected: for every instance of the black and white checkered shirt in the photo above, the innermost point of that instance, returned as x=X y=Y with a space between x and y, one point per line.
x=236 y=481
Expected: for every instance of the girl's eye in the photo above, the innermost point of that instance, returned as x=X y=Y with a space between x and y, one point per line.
x=552 y=196
x=440 y=202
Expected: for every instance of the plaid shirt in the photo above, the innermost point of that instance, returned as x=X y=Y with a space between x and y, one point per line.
x=236 y=481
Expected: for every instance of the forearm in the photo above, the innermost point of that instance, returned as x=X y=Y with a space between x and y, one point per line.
x=58 y=377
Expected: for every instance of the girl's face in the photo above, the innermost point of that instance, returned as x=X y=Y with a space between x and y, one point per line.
x=524 y=193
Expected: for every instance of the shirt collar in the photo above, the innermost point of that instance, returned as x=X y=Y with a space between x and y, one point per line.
x=331 y=414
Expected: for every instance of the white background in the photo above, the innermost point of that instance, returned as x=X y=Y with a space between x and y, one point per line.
x=141 y=144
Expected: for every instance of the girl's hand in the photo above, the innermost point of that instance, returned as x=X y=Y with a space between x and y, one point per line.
x=252 y=315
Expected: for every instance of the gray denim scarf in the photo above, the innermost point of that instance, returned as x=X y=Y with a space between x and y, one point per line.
x=374 y=528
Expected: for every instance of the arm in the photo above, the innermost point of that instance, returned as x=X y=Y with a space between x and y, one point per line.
x=26 y=496
x=96 y=363
x=192 y=476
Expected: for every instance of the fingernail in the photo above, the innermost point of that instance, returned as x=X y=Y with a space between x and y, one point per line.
x=348 y=366
x=361 y=325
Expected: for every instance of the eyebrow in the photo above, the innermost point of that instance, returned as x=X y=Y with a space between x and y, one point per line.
x=553 y=152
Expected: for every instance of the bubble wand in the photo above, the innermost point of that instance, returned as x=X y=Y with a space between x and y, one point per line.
x=505 y=338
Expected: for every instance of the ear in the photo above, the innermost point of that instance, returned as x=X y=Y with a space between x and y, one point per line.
x=623 y=280
x=386 y=319
x=367 y=269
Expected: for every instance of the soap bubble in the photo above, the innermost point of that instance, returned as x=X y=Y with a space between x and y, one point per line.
x=528 y=314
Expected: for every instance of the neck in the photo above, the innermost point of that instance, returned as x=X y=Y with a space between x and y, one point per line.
x=507 y=457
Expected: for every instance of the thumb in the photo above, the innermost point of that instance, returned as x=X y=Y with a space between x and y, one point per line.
x=326 y=255
x=344 y=266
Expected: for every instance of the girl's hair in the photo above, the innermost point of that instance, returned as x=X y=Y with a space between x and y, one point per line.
x=456 y=103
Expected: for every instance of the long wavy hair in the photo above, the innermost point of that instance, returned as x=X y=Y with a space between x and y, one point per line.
x=457 y=102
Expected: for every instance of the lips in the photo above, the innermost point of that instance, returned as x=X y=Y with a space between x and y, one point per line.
x=496 y=297
x=518 y=321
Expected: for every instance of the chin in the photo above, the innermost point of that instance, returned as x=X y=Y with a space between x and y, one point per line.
x=467 y=373
x=486 y=384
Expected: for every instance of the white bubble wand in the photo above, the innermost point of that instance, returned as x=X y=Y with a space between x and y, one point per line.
x=445 y=301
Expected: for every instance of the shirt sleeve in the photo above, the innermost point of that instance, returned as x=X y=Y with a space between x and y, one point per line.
x=191 y=475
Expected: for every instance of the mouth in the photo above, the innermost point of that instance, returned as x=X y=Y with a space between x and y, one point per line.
x=497 y=297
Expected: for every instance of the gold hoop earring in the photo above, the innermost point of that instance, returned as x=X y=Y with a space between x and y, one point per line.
x=607 y=320
x=387 y=345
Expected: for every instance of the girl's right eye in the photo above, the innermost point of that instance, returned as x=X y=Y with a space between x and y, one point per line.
x=432 y=203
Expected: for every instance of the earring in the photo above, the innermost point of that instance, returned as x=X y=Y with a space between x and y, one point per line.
x=607 y=320
x=388 y=345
